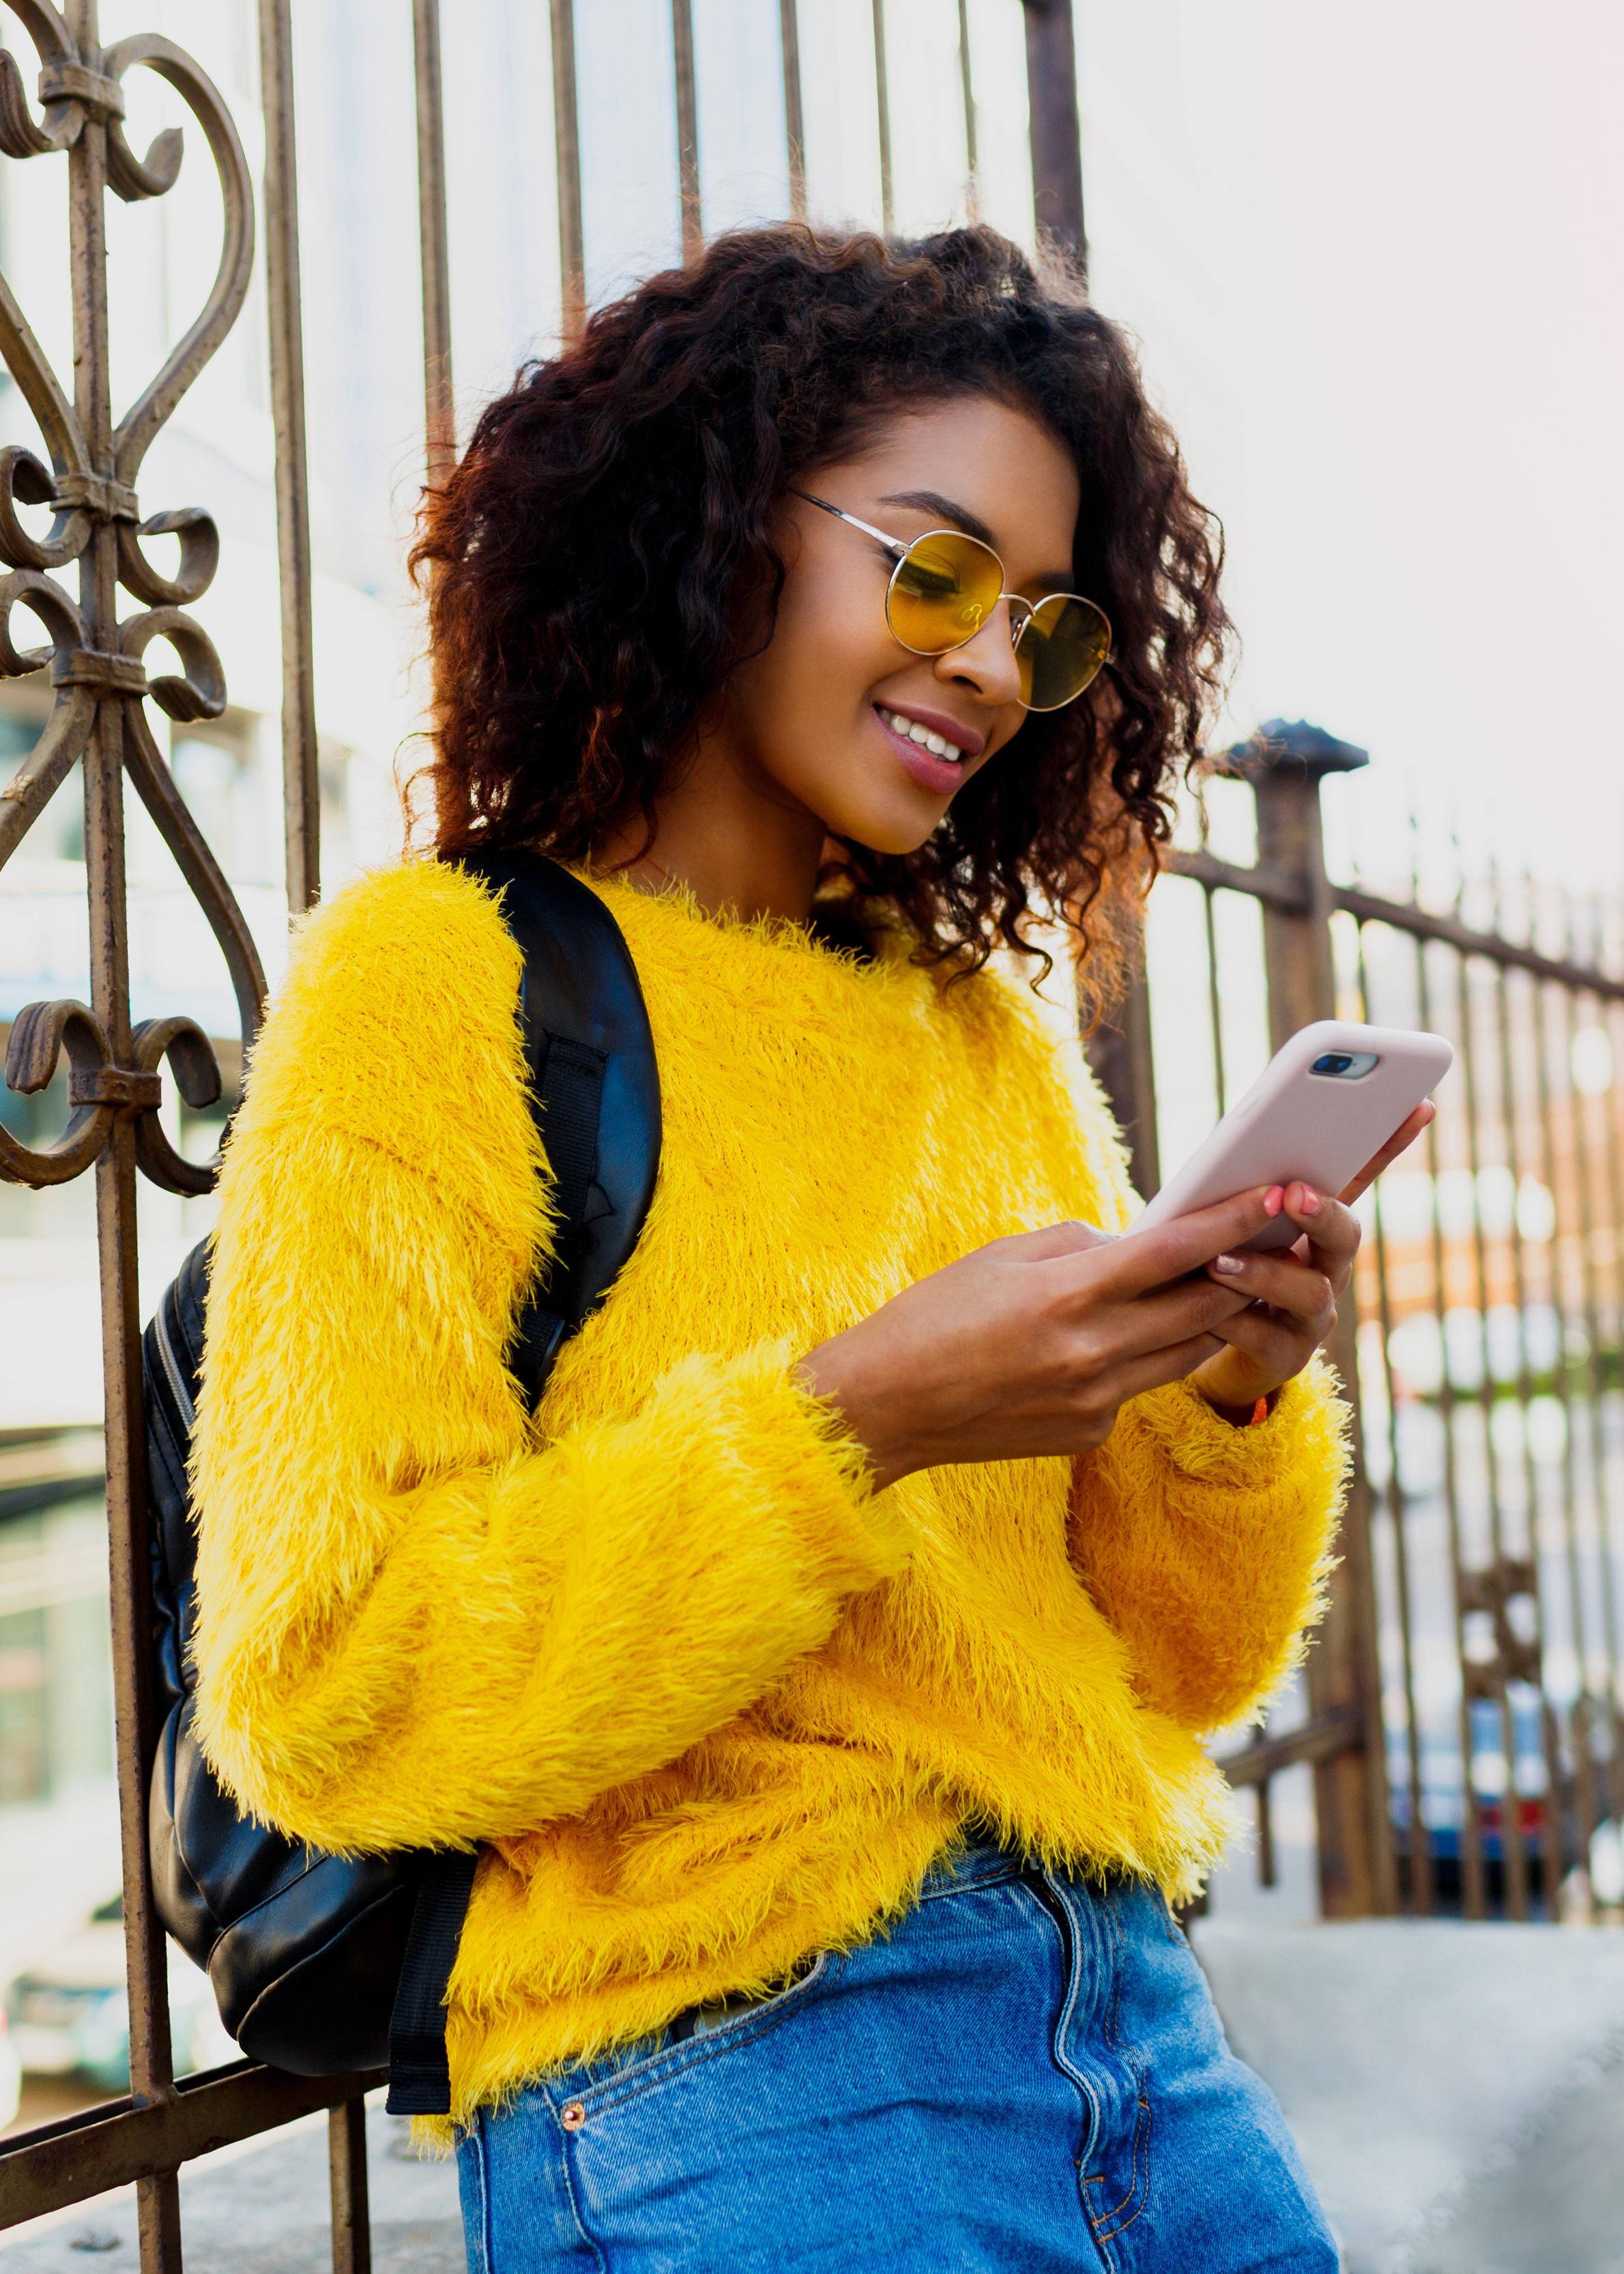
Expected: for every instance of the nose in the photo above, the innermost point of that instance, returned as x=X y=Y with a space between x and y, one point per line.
x=986 y=664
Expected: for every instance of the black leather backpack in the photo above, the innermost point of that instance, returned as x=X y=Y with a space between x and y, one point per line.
x=323 y=1963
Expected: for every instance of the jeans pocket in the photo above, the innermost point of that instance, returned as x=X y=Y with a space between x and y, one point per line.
x=658 y=2061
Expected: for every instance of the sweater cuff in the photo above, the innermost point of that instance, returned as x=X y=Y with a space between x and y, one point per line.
x=1197 y=1441
x=814 y=1467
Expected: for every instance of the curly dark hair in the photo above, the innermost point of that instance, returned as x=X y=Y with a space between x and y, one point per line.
x=595 y=556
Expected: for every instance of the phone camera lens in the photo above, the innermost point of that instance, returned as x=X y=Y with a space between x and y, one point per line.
x=1333 y=1062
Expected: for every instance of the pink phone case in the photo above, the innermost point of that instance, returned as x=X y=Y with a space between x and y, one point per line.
x=1294 y=1123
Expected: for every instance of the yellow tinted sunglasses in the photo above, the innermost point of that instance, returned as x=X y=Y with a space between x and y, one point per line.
x=944 y=587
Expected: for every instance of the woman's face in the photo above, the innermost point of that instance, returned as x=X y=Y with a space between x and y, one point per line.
x=820 y=720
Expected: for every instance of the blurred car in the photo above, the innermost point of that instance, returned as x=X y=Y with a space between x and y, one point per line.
x=10 y=2077
x=70 y=2011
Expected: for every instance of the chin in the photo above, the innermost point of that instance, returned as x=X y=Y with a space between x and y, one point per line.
x=891 y=833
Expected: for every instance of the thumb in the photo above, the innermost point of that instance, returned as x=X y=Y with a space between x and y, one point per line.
x=1050 y=1241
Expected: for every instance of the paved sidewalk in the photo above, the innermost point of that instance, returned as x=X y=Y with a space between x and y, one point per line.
x=1457 y=2091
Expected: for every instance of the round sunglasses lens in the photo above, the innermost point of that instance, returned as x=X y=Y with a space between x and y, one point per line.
x=945 y=588
x=1060 y=649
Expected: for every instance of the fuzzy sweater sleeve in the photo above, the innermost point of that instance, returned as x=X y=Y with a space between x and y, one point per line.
x=415 y=1624
x=1207 y=1546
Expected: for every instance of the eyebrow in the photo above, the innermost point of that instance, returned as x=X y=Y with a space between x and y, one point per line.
x=943 y=508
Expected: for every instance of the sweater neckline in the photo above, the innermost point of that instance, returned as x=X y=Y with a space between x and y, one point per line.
x=776 y=936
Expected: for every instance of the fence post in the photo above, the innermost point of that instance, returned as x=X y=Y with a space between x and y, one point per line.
x=1057 y=138
x=1285 y=765
x=1119 y=1052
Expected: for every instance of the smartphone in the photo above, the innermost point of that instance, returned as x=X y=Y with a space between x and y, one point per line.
x=1327 y=1101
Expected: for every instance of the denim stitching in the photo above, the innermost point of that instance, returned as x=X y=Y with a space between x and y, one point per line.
x=1142 y=2119
x=575 y=2208
x=1113 y=1928
x=1141 y=2149
x=600 y=2100
x=1170 y=1926
x=479 y=2162
x=1109 y=2031
x=997 y=1872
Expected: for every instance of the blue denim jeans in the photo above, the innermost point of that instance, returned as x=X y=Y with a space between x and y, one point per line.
x=1026 y=2072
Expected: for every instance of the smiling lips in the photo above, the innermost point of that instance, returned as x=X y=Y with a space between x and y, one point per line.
x=915 y=730
x=934 y=758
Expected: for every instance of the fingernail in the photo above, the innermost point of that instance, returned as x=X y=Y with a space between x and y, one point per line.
x=1275 y=1200
x=1230 y=1263
x=1311 y=1202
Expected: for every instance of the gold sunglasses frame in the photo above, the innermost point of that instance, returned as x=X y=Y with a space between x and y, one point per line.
x=899 y=549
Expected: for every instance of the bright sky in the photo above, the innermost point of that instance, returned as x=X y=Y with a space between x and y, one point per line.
x=1372 y=256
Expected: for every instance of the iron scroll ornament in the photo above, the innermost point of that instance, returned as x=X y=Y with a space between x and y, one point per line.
x=97 y=662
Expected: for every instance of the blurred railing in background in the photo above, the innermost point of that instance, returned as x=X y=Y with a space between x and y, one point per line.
x=1462 y=1711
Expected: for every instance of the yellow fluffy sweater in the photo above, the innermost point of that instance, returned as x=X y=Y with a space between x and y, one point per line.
x=711 y=1702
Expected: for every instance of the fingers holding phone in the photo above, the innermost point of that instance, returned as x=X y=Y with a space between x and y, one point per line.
x=1293 y=1293
x=1029 y=1346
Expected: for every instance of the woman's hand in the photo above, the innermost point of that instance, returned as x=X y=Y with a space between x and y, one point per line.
x=1029 y=1346
x=1293 y=1294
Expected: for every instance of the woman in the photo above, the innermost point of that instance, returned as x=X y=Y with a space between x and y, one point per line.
x=825 y=1674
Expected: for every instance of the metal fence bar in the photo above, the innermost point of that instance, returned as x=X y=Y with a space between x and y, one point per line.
x=82 y=2156
x=1595 y=1393
x=1586 y=1800
x=1214 y=1004
x=300 y=769
x=151 y=2063
x=1472 y=1885
x=1487 y=1680
x=795 y=124
x=967 y=89
x=883 y=108
x=567 y=169
x=1121 y=1054
x=1427 y=925
x=1613 y=1152
x=1550 y=1835
x=438 y=403
x=1277 y=888
x=1056 y=136
x=346 y=2158
x=1419 y=1887
x=687 y=129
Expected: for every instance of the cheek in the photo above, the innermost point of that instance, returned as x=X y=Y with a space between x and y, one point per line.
x=831 y=642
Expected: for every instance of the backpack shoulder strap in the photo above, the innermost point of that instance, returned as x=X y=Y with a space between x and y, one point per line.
x=594 y=1088
x=595 y=1091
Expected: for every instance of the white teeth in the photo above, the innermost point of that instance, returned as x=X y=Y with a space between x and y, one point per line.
x=912 y=731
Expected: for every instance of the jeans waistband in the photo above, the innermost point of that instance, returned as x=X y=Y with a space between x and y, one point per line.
x=978 y=1859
